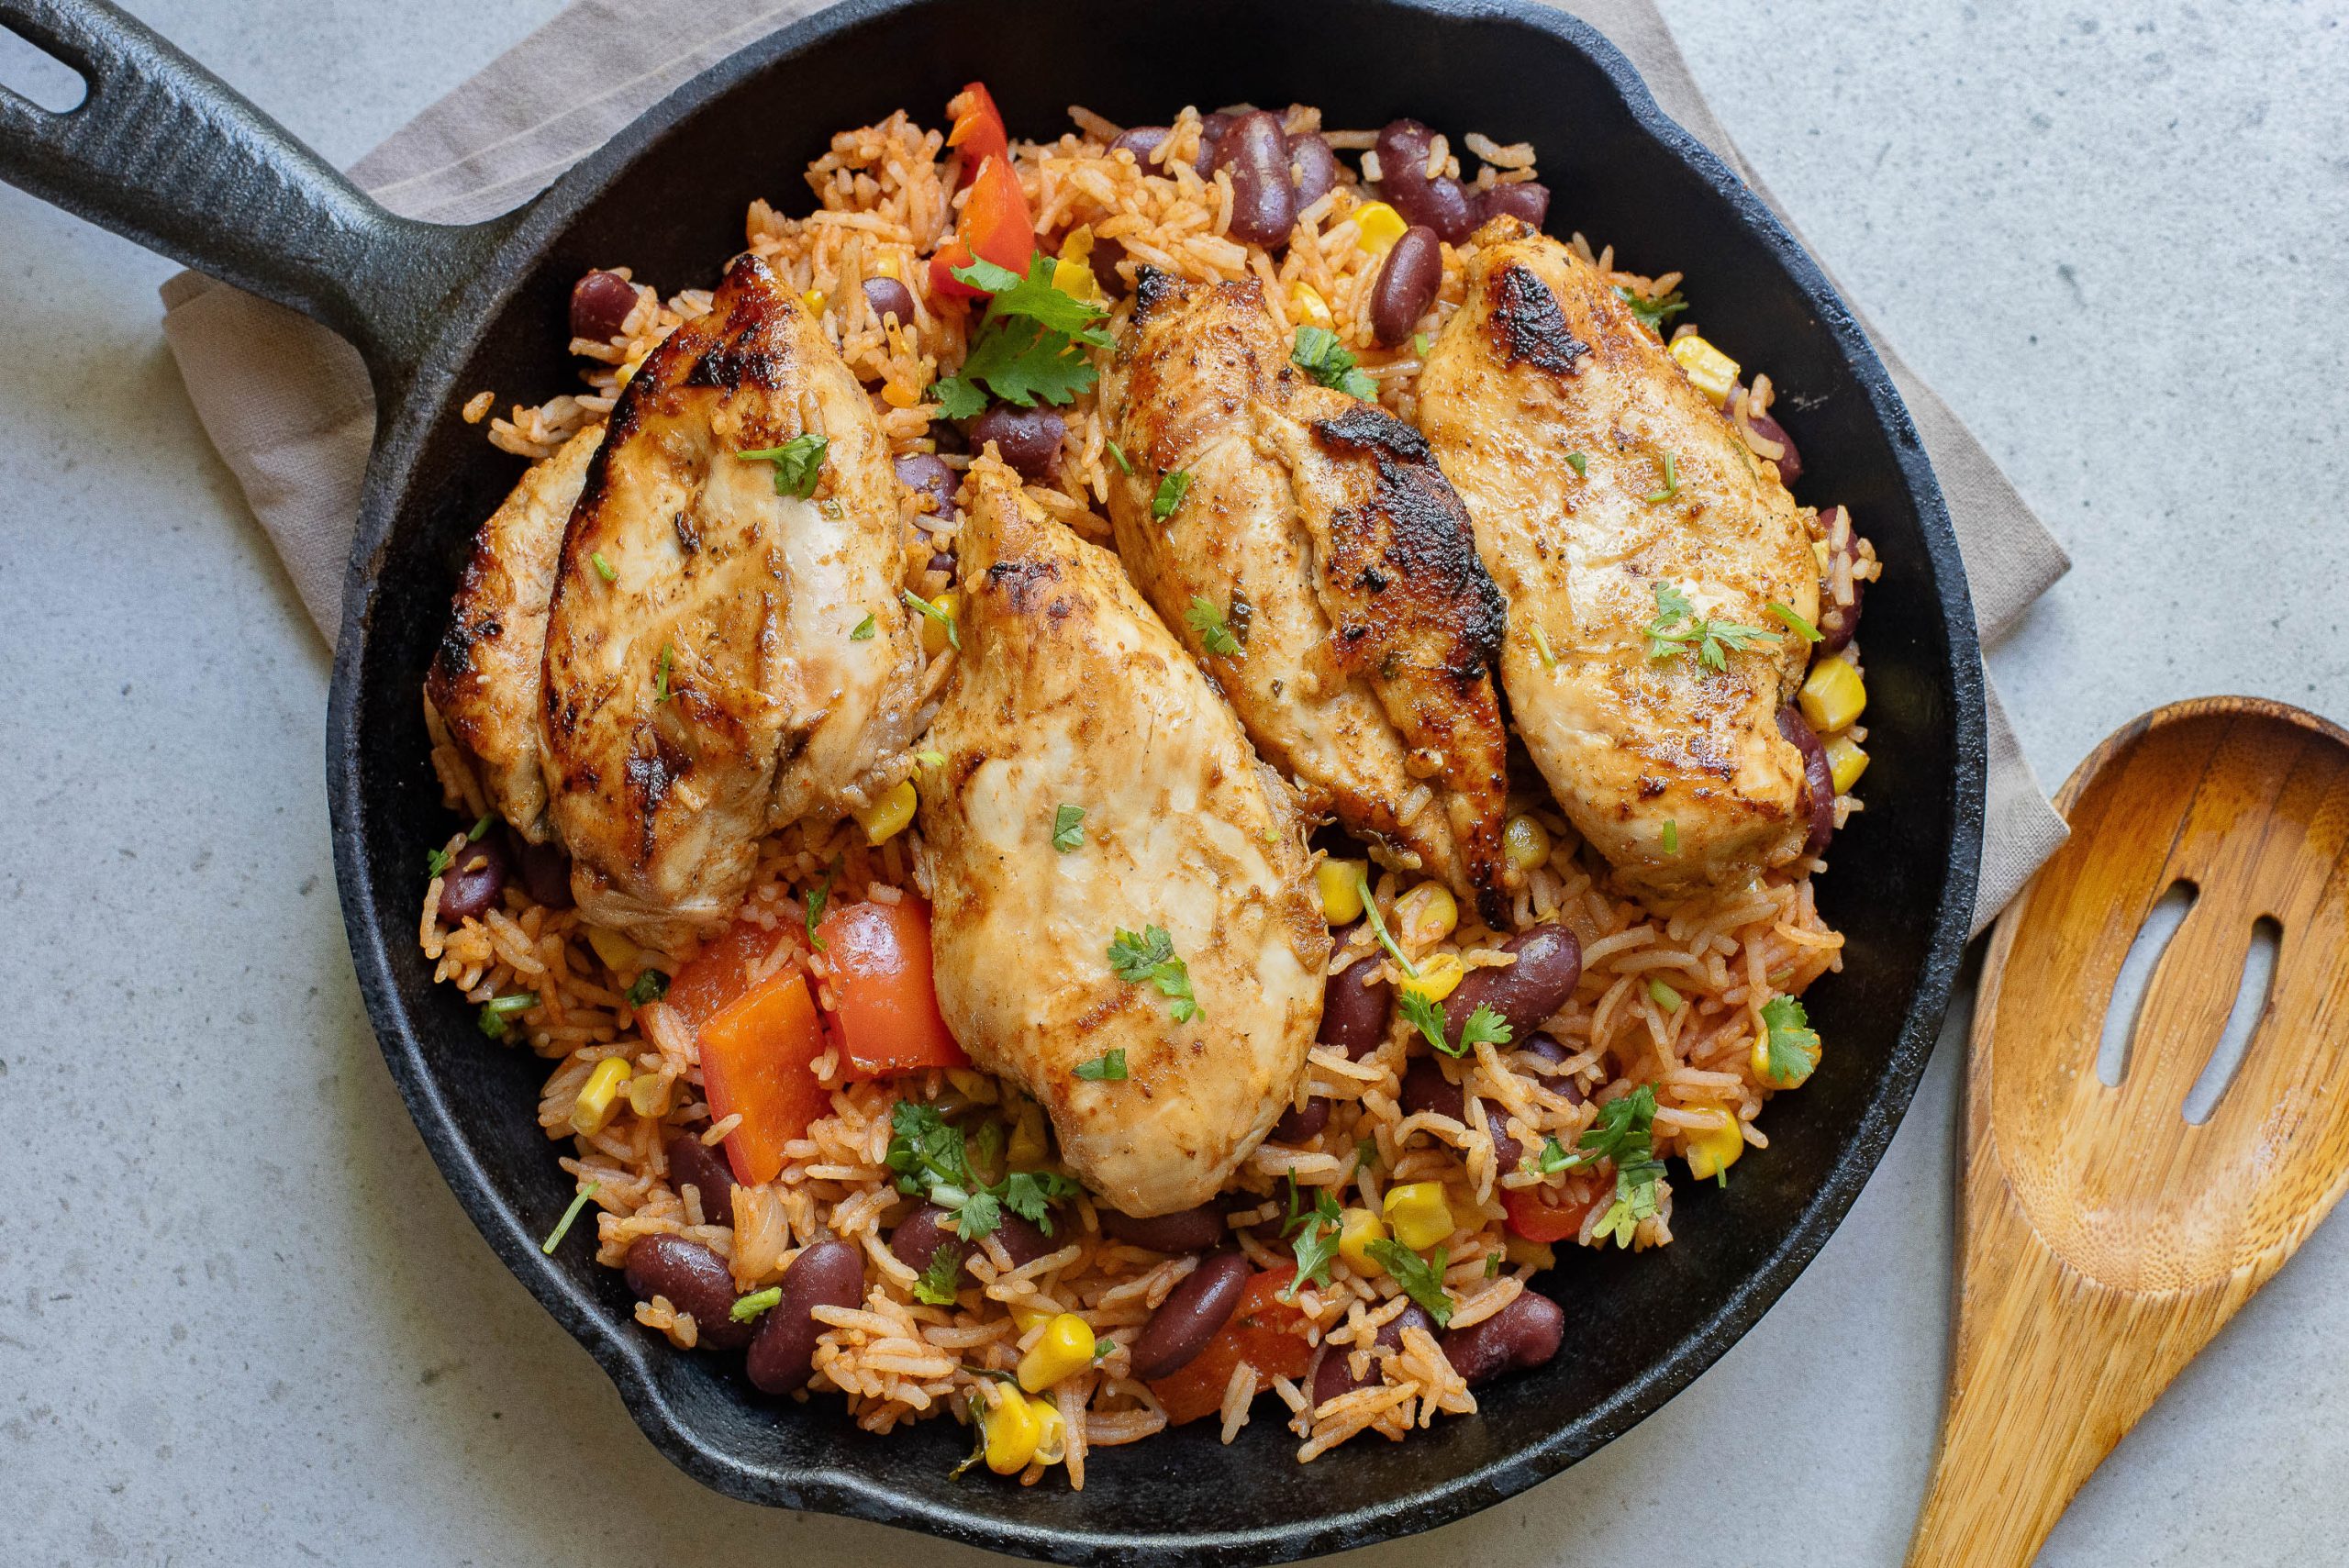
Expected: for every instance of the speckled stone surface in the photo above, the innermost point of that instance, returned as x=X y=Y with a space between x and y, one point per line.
x=242 y=1321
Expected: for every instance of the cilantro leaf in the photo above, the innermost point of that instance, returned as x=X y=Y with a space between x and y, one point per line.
x=1215 y=634
x=817 y=896
x=1020 y=361
x=1318 y=354
x=927 y=1151
x=1652 y=313
x=798 y=464
x=1552 y=1159
x=1671 y=481
x=936 y=1286
x=864 y=630
x=1109 y=1067
x=497 y=1010
x=1120 y=454
x=976 y=1215
x=1034 y=298
x=1679 y=628
x=1485 y=1026
x=748 y=1307
x=1791 y=1048
x=1425 y=1017
x=563 y=1227
x=1030 y=343
x=604 y=568
x=649 y=986
x=1316 y=1244
x=1579 y=463
x=1171 y=491
x=1421 y=1279
x=1030 y=1194
x=1068 y=828
x=958 y=399
x=1150 y=959
x=1795 y=623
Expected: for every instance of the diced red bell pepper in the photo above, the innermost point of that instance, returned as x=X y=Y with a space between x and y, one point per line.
x=995 y=225
x=757 y=1061
x=1262 y=1330
x=885 y=1004
x=979 y=129
x=720 y=972
x=1551 y=1213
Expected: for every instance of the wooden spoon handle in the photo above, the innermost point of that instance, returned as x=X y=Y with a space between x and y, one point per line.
x=2051 y=1369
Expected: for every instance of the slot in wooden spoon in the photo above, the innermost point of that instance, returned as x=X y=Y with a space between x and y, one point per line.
x=2103 y=1239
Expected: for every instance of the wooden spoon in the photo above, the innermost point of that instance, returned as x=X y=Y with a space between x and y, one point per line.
x=2103 y=1237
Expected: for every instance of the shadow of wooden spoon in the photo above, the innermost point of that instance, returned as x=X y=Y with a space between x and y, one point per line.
x=2104 y=1235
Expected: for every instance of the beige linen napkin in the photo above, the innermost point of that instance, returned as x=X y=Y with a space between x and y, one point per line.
x=288 y=405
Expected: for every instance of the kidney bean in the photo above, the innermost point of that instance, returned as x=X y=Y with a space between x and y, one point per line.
x=694 y=1279
x=1190 y=1230
x=476 y=875
x=1296 y=1126
x=1312 y=168
x=783 y=1344
x=1524 y=1334
x=1553 y=1056
x=1406 y=285
x=1353 y=1016
x=1211 y=133
x=1838 y=623
x=1549 y=963
x=1254 y=153
x=889 y=297
x=928 y=476
x=941 y=561
x=1189 y=1317
x=1441 y=204
x=1027 y=439
x=1142 y=140
x=920 y=1235
x=1818 y=779
x=600 y=304
x=1790 y=461
x=546 y=870
x=1336 y=1374
x=1529 y=200
x=693 y=1162
x=1425 y=1088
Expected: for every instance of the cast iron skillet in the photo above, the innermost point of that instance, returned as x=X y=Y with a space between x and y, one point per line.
x=164 y=153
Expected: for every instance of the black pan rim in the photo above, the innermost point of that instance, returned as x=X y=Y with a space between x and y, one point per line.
x=627 y=1357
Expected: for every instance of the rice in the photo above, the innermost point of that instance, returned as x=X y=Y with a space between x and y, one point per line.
x=885 y=196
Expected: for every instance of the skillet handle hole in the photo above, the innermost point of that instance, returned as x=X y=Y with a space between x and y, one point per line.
x=32 y=73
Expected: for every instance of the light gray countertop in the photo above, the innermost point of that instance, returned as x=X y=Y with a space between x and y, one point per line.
x=242 y=1320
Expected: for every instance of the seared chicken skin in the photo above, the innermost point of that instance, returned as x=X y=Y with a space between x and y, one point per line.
x=703 y=687
x=1317 y=533
x=485 y=680
x=1545 y=363
x=1071 y=693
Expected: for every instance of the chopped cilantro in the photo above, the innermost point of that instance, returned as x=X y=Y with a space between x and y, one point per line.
x=864 y=630
x=660 y=691
x=747 y=1309
x=497 y=1010
x=1421 y=1279
x=1579 y=463
x=563 y=1227
x=1424 y=1014
x=1420 y=344
x=1031 y=344
x=798 y=464
x=436 y=862
x=604 y=568
x=1215 y=635
x=1541 y=648
x=1552 y=1159
x=936 y=1286
x=1664 y=996
x=932 y=1160
x=1171 y=491
x=943 y=617
x=1316 y=1240
x=1118 y=452
x=1319 y=354
x=1791 y=1048
x=1492 y=1265
x=1068 y=828
x=817 y=896
x=1652 y=313
x=1150 y=959
x=1677 y=628
x=1378 y=926
x=931 y=759
x=649 y=986
x=1109 y=1067
x=473 y=834
x=1030 y=1194
x=1483 y=1027
x=1366 y=1152
x=1671 y=481
x=1795 y=623
x=1670 y=837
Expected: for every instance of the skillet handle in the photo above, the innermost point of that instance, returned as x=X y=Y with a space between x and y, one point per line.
x=163 y=152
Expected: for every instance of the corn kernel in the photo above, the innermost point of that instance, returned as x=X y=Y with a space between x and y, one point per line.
x=934 y=639
x=814 y=300
x=1834 y=694
x=1340 y=884
x=1065 y=1347
x=1759 y=1057
x=1846 y=761
x=1715 y=1149
x=1439 y=976
x=1820 y=554
x=887 y=816
x=1025 y=1149
x=619 y=954
x=1307 y=303
x=1357 y=1229
x=1520 y=1251
x=1378 y=226
x=593 y=1109
x=1012 y=1428
x=1417 y=1214
x=1075 y=280
x=1526 y=843
x=647 y=1095
x=626 y=374
x=1051 y=1433
x=886 y=266
x=1713 y=373
x=1026 y=1316
x=1425 y=915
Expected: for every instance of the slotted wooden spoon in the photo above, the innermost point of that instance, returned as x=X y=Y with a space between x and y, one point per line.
x=2103 y=1239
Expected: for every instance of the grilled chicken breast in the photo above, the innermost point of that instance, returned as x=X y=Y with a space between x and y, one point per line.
x=703 y=685
x=1594 y=472
x=485 y=680
x=1318 y=532
x=1070 y=694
